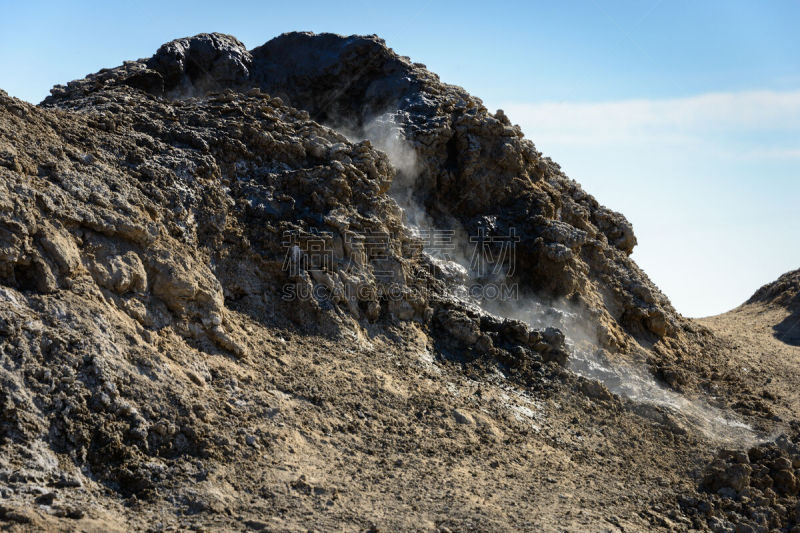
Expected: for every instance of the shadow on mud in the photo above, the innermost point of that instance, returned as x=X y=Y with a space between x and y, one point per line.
x=788 y=330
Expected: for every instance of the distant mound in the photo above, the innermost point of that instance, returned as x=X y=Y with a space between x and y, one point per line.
x=783 y=292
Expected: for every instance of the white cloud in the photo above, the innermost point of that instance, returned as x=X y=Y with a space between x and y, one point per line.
x=709 y=119
x=710 y=182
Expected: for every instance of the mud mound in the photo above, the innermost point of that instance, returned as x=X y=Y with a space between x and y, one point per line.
x=232 y=287
x=142 y=236
x=463 y=168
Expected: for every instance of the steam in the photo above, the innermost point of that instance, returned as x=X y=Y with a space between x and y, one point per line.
x=630 y=380
x=386 y=135
x=635 y=383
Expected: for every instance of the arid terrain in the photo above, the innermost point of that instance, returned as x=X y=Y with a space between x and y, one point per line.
x=310 y=286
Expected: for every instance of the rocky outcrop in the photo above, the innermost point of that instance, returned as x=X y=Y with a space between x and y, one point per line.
x=135 y=228
x=472 y=170
x=754 y=489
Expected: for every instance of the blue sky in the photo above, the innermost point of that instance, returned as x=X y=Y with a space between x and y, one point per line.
x=683 y=115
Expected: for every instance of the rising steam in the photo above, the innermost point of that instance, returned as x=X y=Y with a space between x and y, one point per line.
x=630 y=380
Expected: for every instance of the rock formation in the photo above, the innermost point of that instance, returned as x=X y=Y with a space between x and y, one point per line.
x=473 y=170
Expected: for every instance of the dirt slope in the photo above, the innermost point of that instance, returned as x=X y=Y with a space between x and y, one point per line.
x=763 y=353
x=762 y=342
